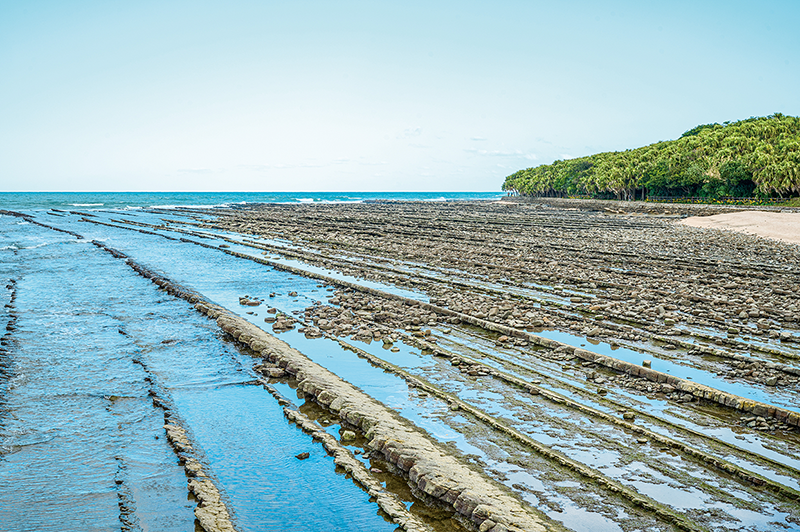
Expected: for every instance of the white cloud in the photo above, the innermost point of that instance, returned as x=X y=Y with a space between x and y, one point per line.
x=503 y=153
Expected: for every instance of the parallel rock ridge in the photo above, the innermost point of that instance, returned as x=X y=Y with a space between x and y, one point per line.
x=703 y=304
x=698 y=390
x=211 y=512
x=479 y=502
x=343 y=458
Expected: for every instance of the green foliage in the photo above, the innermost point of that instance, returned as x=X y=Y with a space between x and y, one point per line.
x=697 y=129
x=752 y=157
x=793 y=202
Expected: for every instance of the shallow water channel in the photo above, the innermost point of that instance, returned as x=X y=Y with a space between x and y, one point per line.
x=81 y=443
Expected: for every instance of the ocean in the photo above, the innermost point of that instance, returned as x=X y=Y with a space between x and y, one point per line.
x=144 y=200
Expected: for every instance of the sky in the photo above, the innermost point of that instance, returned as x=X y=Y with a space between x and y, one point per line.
x=368 y=96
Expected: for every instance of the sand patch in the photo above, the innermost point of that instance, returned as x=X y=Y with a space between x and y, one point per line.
x=775 y=225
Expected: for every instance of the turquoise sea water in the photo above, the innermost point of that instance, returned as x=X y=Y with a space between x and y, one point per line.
x=134 y=200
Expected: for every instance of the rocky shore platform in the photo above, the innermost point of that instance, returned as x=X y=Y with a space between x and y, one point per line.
x=514 y=365
x=696 y=331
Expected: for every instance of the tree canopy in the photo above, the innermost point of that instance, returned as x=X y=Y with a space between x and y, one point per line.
x=759 y=155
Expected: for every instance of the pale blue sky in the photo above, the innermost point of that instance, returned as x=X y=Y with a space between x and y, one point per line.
x=303 y=95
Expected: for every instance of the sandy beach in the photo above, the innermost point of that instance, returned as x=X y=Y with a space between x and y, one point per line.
x=775 y=225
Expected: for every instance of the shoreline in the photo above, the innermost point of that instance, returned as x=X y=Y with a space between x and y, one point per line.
x=532 y=330
x=772 y=222
x=780 y=226
x=644 y=207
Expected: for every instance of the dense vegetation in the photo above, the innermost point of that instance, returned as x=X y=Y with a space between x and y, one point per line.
x=753 y=157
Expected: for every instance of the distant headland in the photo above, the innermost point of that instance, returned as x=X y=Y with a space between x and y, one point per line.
x=754 y=158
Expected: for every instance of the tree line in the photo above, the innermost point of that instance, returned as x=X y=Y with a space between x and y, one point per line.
x=759 y=156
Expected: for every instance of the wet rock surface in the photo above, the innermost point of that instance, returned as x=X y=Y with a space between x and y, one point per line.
x=724 y=303
x=430 y=468
x=435 y=473
x=628 y=280
x=536 y=324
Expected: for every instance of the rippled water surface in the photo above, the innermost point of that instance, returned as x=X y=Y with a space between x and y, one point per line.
x=82 y=446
